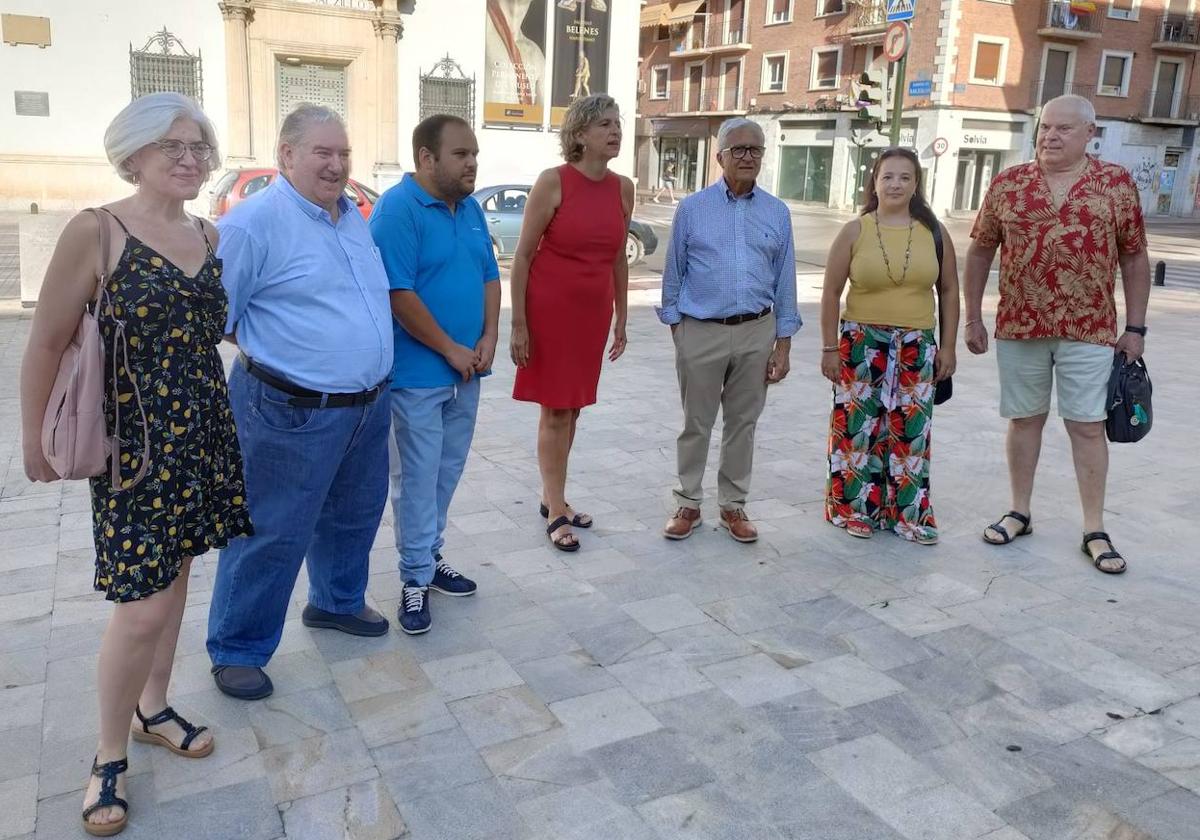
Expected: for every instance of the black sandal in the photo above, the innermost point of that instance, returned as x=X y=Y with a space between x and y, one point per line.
x=579 y=521
x=107 y=773
x=561 y=543
x=998 y=527
x=165 y=716
x=1111 y=554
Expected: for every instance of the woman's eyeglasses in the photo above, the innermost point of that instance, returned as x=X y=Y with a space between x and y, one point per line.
x=174 y=149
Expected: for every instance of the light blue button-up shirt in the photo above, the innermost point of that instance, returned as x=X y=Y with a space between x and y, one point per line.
x=308 y=297
x=731 y=255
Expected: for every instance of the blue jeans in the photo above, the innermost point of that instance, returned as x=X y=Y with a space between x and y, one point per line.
x=316 y=484
x=433 y=428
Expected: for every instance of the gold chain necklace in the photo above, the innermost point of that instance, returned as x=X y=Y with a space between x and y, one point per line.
x=887 y=264
x=1059 y=194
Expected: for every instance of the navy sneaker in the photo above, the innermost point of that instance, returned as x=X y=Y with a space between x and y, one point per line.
x=448 y=581
x=413 y=613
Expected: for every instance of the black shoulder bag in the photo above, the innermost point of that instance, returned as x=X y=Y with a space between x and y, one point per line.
x=942 y=391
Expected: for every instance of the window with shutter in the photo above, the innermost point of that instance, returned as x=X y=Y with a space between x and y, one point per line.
x=988 y=66
x=164 y=66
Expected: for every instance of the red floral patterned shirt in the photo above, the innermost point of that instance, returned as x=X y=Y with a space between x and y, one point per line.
x=1058 y=268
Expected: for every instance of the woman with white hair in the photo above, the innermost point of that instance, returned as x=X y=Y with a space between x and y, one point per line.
x=568 y=275
x=161 y=316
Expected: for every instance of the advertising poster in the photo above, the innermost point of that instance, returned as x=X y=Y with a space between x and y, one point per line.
x=581 y=29
x=515 y=55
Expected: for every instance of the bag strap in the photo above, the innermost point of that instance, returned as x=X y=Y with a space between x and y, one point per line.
x=120 y=340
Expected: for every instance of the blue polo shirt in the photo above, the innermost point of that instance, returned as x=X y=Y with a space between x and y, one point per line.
x=446 y=258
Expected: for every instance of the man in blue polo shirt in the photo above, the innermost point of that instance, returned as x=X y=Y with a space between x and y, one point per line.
x=446 y=308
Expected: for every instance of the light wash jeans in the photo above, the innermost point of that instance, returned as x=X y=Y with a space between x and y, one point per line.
x=316 y=484
x=433 y=428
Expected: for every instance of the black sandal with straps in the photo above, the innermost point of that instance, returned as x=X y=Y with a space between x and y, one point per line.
x=1111 y=554
x=565 y=542
x=1006 y=538
x=166 y=716
x=107 y=773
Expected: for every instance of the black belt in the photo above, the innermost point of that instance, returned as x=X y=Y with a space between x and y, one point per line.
x=303 y=397
x=739 y=319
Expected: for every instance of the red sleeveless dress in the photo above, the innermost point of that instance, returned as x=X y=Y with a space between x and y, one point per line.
x=569 y=299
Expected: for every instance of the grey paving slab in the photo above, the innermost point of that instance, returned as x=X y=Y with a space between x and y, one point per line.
x=567 y=675
x=423 y=766
x=21 y=749
x=502 y=715
x=363 y=811
x=652 y=679
x=704 y=644
x=593 y=720
x=1178 y=760
x=988 y=772
x=1059 y=814
x=470 y=674
x=649 y=766
x=667 y=612
x=18 y=805
x=811 y=722
x=1171 y=816
x=243 y=810
x=304 y=768
x=909 y=721
x=754 y=679
x=538 y=765
x=581 y=813
x=848 y=680
x=611 y=643
x=705 y=813
x=1088 y=766
x=476 y=811
x=821 y=810
x=875 y=771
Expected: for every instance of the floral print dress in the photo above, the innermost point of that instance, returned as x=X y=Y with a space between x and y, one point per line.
x=192 y=497
x=879 y=431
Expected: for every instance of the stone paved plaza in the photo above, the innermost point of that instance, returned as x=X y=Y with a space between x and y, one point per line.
x=810 y=686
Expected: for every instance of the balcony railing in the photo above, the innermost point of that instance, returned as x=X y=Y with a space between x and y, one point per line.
x=713 y=37
x=868 y=16
x=706 y=103
x=1177 y=31
x=1165 y=105
x=1043 y=91
x=1059 y=20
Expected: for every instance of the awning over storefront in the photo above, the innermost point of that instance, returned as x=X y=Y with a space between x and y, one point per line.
x=655 y=14
x=685 y=11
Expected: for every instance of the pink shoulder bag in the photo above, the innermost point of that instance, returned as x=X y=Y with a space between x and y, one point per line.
x=75 y=440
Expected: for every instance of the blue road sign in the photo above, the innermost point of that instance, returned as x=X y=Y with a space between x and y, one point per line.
x=900 y=9
x=920 y=87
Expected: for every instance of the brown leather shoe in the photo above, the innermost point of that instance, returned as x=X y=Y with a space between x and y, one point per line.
x=682 y=523
x=739 y=525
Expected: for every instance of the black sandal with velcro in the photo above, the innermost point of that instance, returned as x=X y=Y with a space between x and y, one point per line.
x=1006 y=538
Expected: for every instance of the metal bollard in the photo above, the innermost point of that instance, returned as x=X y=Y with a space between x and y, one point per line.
x=1160 y=273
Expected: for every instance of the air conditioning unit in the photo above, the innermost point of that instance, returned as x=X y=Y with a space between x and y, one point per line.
x=1108 y=90
x=641 y=87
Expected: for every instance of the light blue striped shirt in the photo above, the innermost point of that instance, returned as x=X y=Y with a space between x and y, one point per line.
x=308 y=297
x=731 y=255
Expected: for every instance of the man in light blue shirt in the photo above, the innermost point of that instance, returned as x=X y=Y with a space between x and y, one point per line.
x=729 y=296
x=308 y=307
x=446 y=302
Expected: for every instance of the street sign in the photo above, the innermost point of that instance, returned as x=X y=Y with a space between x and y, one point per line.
x=900 y=9
x=940 y=146
x=920 y=87
x=896 y=40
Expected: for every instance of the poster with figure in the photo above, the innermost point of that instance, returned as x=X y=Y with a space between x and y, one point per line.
x=515 y=55
x=581 y=31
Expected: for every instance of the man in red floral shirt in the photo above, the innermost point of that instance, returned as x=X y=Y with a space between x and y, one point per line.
x=1063 y=223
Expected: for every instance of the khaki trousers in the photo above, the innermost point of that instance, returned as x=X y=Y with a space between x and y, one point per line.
x=720 y=366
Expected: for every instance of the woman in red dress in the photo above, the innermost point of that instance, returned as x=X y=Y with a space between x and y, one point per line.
x=568 y=274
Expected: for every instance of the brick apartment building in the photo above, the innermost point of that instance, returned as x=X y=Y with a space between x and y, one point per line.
x=982 y=68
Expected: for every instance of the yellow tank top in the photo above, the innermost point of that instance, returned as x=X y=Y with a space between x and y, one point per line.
x=873 y=297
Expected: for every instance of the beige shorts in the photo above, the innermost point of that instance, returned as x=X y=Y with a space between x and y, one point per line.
x=1029 y=367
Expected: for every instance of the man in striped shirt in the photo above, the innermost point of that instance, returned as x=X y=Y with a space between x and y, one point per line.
x=729 y=296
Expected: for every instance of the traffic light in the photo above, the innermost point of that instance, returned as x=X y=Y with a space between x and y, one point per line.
x=872 y=95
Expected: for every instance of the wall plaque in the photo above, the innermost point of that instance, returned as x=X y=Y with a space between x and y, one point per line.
x=32 y=103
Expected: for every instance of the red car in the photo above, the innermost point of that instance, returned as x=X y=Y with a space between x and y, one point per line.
x=237 y=184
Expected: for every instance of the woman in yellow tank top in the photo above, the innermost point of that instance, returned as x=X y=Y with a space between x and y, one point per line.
x=881 y=355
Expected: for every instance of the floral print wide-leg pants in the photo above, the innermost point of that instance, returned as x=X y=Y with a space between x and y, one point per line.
x=879 y=430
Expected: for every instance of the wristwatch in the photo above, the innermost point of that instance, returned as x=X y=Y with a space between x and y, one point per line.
x=1135 y=330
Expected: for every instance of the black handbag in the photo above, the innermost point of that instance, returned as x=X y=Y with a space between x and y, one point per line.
x=944 y=390
x=1130 y=414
